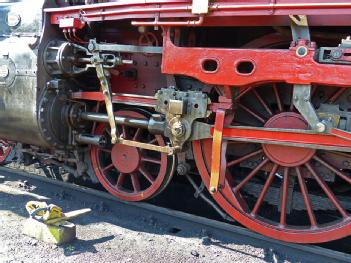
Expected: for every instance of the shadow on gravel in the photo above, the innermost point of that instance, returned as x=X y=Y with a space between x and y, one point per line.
x=114 y=215
x=81 y=246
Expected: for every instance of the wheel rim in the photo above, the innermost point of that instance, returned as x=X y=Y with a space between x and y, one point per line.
x=5 y=150
x=299 y=173
x=129 y=173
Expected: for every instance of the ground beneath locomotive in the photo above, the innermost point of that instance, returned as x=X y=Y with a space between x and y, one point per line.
x=114 y=232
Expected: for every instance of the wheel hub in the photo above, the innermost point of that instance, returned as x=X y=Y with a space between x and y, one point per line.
x=286 y=155
x=125 y=159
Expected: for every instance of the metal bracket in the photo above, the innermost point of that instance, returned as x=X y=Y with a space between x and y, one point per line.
x=200 y=6
x=106 y=90
x=163 y=149
x=181 y=109
x=302 y=93
x=217 y=158
x=299 y=27
x=93 y=46
x=302 y=102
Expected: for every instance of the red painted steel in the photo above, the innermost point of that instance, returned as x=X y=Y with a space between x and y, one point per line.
x=287 y=156
x=229 y=10
x=295 y=137
x=121 y=169
x=268 y=66
x=231 y=202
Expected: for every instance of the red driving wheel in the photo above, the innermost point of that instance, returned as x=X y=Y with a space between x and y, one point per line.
x=131 y=173
x=288 y=193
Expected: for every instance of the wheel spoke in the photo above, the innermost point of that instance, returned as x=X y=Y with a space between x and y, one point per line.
x=327 y=190
x=284 y=201
x=263 y=103
x=276 y=93
x=108 y=168
x=150 y=160
x=306 y=199
x=252 y=113
x=244 y=92
x=124 y=132
x=313 y=90
x=291 y=108
x=120 y=180
x=251 y=175
x=332 y=168
x=264 y=190
x=147 y=175
x=336 y=95
x=248 y=156
x=152 y=141
x=135 y=182
x=105 y=150
x=137 y=134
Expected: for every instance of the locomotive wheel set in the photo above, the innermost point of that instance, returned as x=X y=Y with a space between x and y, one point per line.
x=251 y=95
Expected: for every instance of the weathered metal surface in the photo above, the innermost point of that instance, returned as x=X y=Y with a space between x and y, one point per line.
x=19 y=87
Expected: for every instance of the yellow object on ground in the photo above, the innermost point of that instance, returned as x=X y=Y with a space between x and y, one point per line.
x=51 y=214
x=49 y=224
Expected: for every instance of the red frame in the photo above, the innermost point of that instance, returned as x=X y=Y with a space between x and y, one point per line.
x=224 y=12
x=283 y=65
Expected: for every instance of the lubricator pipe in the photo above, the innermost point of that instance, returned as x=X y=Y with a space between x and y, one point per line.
x=154 y=126
x=97 y=140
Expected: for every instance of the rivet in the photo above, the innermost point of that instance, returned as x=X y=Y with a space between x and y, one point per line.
x=213 y=189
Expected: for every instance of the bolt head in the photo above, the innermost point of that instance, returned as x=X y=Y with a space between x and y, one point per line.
x=178 y=129
x=321 y=127
x=213 y=189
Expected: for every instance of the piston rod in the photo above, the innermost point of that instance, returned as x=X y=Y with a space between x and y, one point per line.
x=97 y=140
x=154 y=126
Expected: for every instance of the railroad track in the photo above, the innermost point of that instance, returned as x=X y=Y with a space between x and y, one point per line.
x=311 y=252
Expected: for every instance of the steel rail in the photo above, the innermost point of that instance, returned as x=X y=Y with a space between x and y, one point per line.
x=311 y=251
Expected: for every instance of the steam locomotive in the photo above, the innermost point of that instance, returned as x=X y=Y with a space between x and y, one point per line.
x=250 y=96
